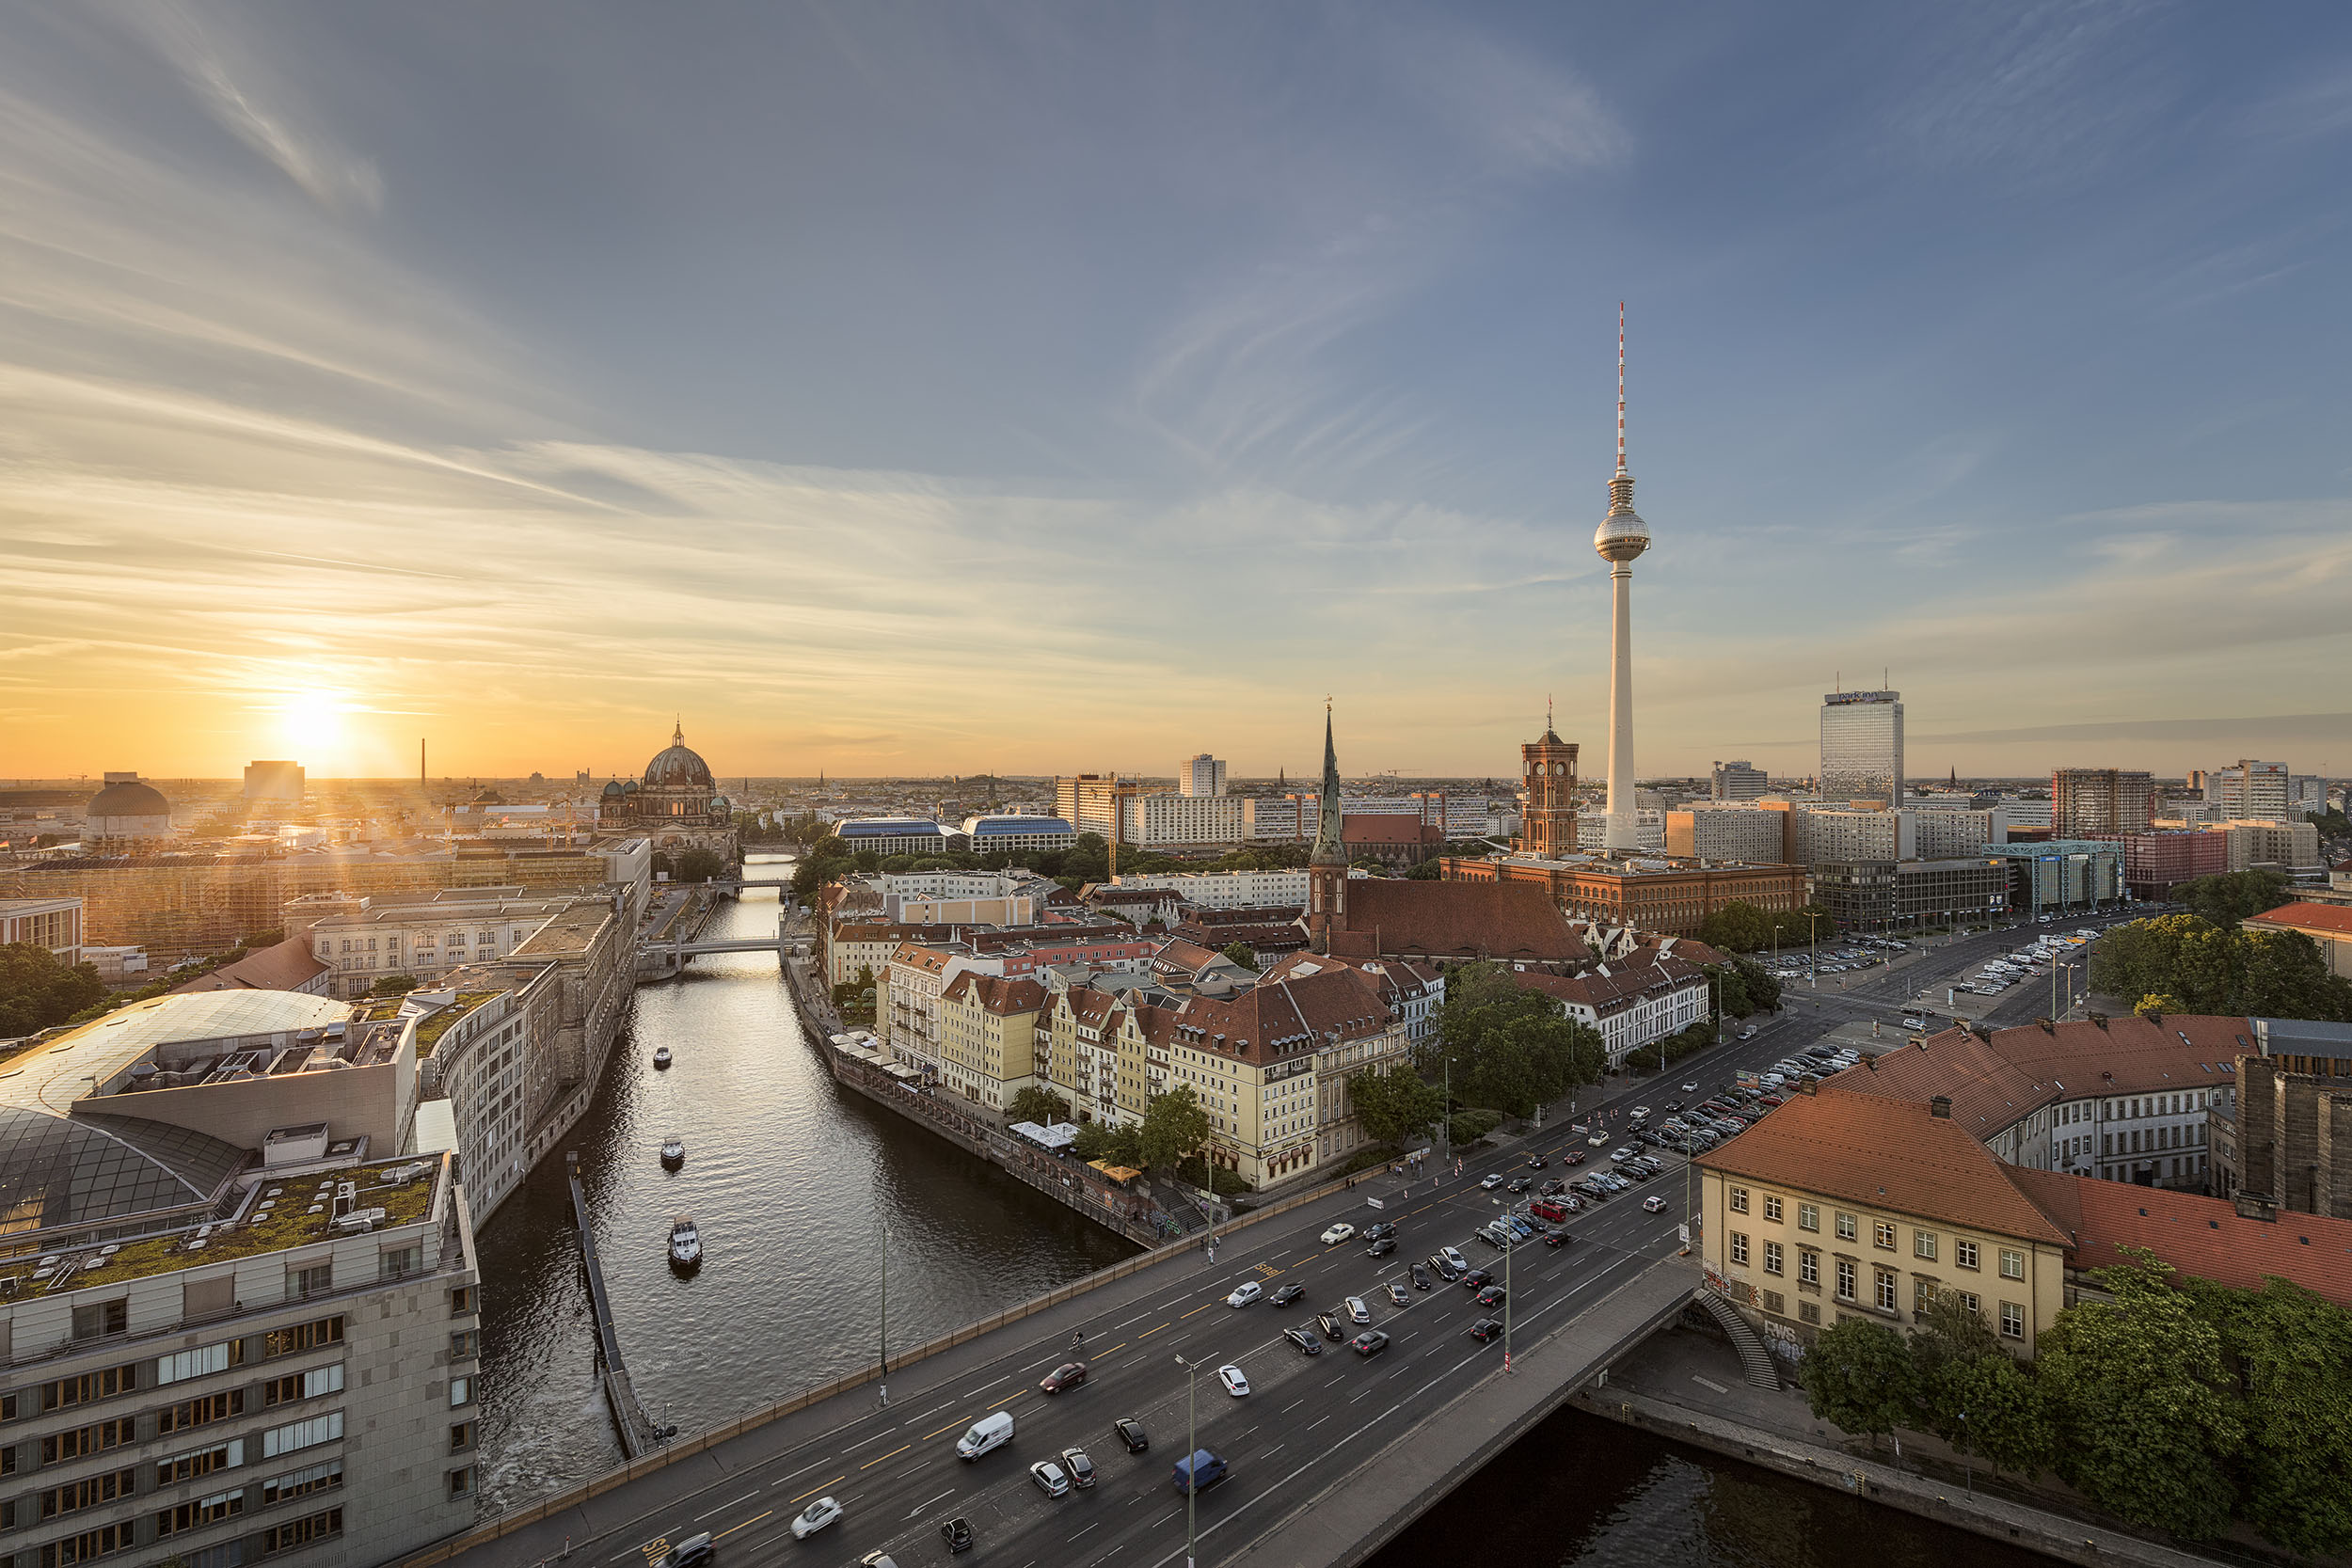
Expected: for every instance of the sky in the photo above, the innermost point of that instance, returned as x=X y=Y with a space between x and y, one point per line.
x=890 y=390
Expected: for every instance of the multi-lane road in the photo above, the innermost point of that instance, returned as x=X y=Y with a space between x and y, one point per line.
x=1306 y=1419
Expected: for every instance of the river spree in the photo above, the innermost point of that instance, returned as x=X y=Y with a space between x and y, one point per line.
x=792 y=1181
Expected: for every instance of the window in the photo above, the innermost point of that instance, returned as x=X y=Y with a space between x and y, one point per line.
x=301 y=1532
x=1772 y=1210
x=311 y=1279
x=1810 y=1311
x=89 y=1386
x=207 y=1511
x=1845 y=1226
x=1771 y=1257
x=89 y=1545
x=461 y=1300
x=394 y=1261
x=304 y=1386
x=1738 y=1247
x=1738 y=1199
x=88 y=1493
x=1964 y=1253
x=1882 y=1234
x=1773 y=1304
x=201 y=1362
x=461 y=1483
x=2013 y=1321
x=199 y=1461
x=200 y=1412
x=301 y=1483
x=1922 y=1293
x=461 y=1437
x=2012 y=1263
x=101 y=1318
x=301 y=1336
x=1808 y=1216
x=1884 y=1291
x=1968 y=1299
x=465 y=1344
x=60 y=1447
x=302 y=1435
x=1923 y=1244
x=1808 y=1267
x=460 y=1391
x=1845 y=1279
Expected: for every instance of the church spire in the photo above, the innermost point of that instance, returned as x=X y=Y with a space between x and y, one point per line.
x=677 y=731
x=1329 y=850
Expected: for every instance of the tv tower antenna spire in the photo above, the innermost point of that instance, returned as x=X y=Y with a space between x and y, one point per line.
x=1621 y=386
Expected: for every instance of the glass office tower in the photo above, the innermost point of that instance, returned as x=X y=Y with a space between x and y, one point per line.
x=1862 y=745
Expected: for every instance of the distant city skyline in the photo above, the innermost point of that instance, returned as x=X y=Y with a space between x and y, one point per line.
x=1037 y=389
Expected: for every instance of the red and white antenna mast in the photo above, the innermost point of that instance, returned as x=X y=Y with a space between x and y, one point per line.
x=1621 y=386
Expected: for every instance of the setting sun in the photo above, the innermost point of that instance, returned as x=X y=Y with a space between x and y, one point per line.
x=312 y=723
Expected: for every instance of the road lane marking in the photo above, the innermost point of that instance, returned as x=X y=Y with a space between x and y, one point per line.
x=928 y=1501
x=863 y=1441
x=932 y=1411
x=949 y=1427
x=1293 y=1406
x=1008 y=1398
x=810 y=1493
x=1316 y=1423
x=746 y=1524
x=1272 y=1452
x=1097 y=1525
x=1202 y=1307
x=983 y=1387
x=724 y=1506
x=1149 y=1332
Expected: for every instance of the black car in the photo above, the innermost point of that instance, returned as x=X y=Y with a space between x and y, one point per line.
x=1384 y=1229
x=1287 y=1294
x=1558 y=1238
x=1486 y=1329
x=1518 y=1184
x=1329 y=1324
x=1370 y=1342
x=956 y=1533
x=1445 y=1270
x=1478 y=1279
x=1381 y=1248
x=1304 y=1339
x=1553 y=1188
x=1490 y=1296
x=1132 y=1434
x=1536 y=1161
x=1672 y=1105
x=1420 y=1277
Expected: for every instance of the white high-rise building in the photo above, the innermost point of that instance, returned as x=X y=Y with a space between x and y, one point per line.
x=1200 y=775
x=2251 y=791
x=1861 y=747
x=1621 y=536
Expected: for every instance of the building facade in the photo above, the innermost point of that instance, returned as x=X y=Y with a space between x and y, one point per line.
x=1738 y=781
x=1228 y=890
x=2250 y=789
x=1201 y=774
x=1861 y=747
x=676 y=804
x=1889 y=896
x=1670 y=898
x=1547 y=773
x=1018 y=835
x=2061 y=874
x=2292 y=1133
x=2328 y=925
x=1729 y=832
x=2101 y=803
x=51 y=923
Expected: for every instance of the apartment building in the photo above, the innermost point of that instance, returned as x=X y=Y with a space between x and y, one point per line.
x=1228 y=890
x=1165 y=821
x=1738 y=781
x=1200 y=775
x=988 y=1043
x=2095 y=802
x=422 y=935
x=1729 y=832
x=1842 y=1205
x=57 y=924
x=2250 y=790
x=1630 y=1001
x=1413 y=991
x=234 y=1345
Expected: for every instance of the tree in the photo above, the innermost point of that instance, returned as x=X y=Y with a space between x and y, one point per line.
x=1038 y=1105
x=2200 y=967
x=1509 y=1046
x=1859 y=1377
x=2136 y=1391
x=2230 y=898
x=1241 y=954
x=1762 y=983
x=1175 y=1125
x=1425 y=871
x=1739 y=927
x=1989 y=1406
x=39 y=990
x=2293 y=1352
x=393 y=985
x=1395 y=1102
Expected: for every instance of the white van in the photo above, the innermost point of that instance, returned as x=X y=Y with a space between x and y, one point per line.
x=991 y=1430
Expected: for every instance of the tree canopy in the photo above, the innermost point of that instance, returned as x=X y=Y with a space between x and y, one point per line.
x=1509 y=1047
x=1395 y=1102
x=2185 y=963
x=1175 y=1125
x=1859 y=1376
x=2230 y=898
x=39 y=990
x=1741 y=927
x=1038 y=1105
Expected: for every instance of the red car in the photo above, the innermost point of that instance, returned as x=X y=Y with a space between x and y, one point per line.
x=1573 y=1157
x=1067 y=1375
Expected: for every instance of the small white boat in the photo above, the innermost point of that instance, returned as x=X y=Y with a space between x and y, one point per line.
x=686 y=1243
x=661 y=1057
x=674 y=1152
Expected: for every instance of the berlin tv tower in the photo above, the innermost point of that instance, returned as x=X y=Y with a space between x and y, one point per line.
x=1622 y=535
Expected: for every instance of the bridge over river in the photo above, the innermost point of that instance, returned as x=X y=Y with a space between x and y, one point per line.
x=1330 y=1453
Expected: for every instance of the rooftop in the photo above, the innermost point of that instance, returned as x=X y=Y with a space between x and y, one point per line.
x=2202 y=1236
x=55 y=1073
x=2329 y=919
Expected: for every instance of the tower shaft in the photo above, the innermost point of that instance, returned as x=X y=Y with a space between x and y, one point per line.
x=1621 y=830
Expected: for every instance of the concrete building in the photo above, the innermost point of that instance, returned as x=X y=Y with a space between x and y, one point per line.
x=1840 y=1205
x=2289 y=846
x=1844 y=836
x=1738 y=781
x=279 y=782
x=1165 y=821
x=2291 y=1138
x=1018 y=835
x=2155 y=863
x=1669 y=896
x=2248 y=790
x=2101 y=803
x=1228 y=890
x=1861 y=747
x=895 y=835
x=1727 y=833
x=422 y=935
x=51 y=923
x=1200 y=775
x=1096 y=802
x=1279 y=819
x=1910 y=896
x=2328 y=925
x=2061 y=874
x=270 y=1314
x=2020 y=812
x=1943 y=834
x=127 y=816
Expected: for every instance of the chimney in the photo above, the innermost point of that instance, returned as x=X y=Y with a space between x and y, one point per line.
x=2254 y=1206
x=2099 y=1018
x=1870 y=1062
x=2047 y=1027
x=2156 y=1019
x=1808 y=1083
x=1941 y=1107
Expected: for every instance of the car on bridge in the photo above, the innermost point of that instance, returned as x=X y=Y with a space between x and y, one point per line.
x=1303 y=1340
x=1287 y=1294
x=1486 y=1329
x=1335 y=1234
x=1245 y=1293
x=1050 y=1478
x=815 y=1517
x=1131 y=1433
x=1370 y=1343
x=1235 y=1383
x=1067 y=1375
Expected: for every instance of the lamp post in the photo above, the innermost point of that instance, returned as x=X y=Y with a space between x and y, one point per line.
x=1511 y=1245
x=1192 y=1476
x=885 y=1313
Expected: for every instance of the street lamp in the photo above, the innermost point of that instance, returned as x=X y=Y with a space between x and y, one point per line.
x=885 y=1313
x=1511 y=1245
x=1192 y=1473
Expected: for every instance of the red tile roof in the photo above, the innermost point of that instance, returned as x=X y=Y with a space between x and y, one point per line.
x=1996 y=1082
x=1502 y=921
x=1605 y=988
x=2198 y=1235
x=2334 y=920
x=1884 y=1153
x=1277 y=1016
x=1389 y=829
x=1009 y=998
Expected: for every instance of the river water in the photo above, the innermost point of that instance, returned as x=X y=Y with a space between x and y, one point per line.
x=792 y=1181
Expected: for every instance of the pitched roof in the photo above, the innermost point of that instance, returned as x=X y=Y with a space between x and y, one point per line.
x=1995 y=1083
x=1275 y=1016
x=1884 y=1154
x=1435 y=919
x=996 y=994
x=285 y=966
x=1387 y=828
x=2332 y=919
x=2198 y=1235
x=1604 y=988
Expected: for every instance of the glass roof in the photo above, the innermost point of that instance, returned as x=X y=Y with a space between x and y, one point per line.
x=63 y=1170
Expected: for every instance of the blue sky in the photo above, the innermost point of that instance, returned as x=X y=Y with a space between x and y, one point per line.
x=895 y=388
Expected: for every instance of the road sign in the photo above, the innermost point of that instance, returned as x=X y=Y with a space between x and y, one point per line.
x=1682 y=1234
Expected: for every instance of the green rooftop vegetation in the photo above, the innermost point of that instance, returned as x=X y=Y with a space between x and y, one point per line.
x=290 y=1224
x=430 y=1032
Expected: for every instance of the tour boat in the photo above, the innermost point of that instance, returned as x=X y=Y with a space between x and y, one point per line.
x=686 y=1243
x=672 y=1152
x=661 y=1057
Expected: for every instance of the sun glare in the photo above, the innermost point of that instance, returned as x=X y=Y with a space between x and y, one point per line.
x=310 y=724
